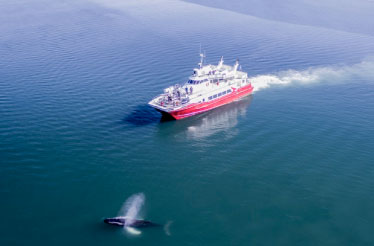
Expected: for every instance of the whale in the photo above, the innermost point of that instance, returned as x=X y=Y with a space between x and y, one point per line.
x=129 y=222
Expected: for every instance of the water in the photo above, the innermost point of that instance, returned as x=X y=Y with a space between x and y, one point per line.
x=289 y=165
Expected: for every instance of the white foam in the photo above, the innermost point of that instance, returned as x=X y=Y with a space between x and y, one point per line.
x=131 y=208
x=167 y=228
x=332 y=74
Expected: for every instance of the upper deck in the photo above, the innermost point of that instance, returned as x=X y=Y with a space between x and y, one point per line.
x=205 y=83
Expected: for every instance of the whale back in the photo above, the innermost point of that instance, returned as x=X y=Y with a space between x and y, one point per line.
x=123 y=221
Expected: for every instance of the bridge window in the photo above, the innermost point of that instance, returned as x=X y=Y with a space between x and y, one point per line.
x=194 y=82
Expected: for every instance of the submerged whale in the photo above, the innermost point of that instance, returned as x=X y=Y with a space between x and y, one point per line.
x=129 y=222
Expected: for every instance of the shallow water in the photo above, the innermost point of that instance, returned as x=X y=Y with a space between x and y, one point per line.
x=289 y=165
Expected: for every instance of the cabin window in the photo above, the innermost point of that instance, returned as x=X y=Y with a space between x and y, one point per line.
x=229 y=90
x=203 y=99
x=210 y=98
x=224 y=93
x=219 y=94
x=215 y=96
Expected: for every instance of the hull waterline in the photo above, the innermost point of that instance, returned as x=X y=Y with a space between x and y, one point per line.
x=199 y=108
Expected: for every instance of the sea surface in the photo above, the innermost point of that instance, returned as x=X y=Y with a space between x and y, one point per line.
x=292 y=164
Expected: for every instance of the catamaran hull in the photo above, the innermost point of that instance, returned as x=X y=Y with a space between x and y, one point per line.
x=198 y=108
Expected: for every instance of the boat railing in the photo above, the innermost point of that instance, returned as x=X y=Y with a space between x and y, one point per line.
x=171 y=102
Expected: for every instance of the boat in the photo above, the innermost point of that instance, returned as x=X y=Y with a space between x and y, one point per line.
x=209 y=87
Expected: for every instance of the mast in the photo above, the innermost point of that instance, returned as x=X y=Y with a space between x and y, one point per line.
x=202 y=56
x=236 y=65
x=220 y=63
x=201 y=63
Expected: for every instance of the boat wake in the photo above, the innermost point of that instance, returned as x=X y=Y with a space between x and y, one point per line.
x=329 y=75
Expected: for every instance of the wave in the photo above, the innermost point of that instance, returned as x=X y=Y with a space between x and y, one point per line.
x=336 y=15
x=331 y=74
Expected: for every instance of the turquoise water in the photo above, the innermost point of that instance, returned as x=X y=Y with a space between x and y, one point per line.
x=290 y=165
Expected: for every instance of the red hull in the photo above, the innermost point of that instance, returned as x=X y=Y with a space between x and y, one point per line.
x=198 y=108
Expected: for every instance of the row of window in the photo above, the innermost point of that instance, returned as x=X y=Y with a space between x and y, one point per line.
x=219 y=94
x=218 y=80
x=195 y=82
